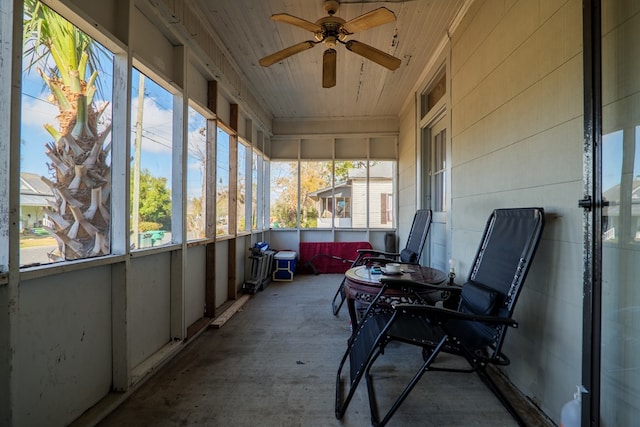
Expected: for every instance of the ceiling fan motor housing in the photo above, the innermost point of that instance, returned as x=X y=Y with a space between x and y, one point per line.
x=331 y=29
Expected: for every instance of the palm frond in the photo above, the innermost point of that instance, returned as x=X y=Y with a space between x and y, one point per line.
x=47 y=35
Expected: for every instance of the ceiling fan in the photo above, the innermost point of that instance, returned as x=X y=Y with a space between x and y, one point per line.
x=331 y=30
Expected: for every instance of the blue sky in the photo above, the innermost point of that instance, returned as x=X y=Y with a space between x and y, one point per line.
x=612 y=153
x=36 y=111
x=157 y=124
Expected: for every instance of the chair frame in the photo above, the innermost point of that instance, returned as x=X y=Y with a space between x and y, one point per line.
x=370 y=256
x=380 y=327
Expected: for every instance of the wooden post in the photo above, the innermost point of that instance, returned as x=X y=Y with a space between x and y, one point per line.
x=210 y=257
x=233 y=202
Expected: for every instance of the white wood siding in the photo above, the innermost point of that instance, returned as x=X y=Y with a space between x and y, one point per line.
x=517 y=141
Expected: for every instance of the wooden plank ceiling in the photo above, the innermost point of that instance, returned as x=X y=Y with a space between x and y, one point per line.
x=292 y=88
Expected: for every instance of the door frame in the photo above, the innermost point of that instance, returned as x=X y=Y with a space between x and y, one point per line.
x=426 y=143
x=592 y=204
x=440 y=110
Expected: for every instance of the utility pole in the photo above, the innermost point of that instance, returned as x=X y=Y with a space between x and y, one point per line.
x=136 y=164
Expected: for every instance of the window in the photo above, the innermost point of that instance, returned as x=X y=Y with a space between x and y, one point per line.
x=439 y=170
x=350 y=194
x=222 y=182
x=386 y=208
x=381 y=194
x=284 y=195
x=344 y=194
x=435 y=93
x=241 y=193
x=256 y=191
x=65 y=167
x=315 y=194
x=196 y=176
x=151 y=145
x=264 y=201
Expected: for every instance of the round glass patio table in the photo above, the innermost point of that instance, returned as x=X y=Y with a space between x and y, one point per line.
x=361 y=286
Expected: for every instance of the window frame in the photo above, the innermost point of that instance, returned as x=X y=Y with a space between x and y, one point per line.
x=110 y=52
x=221 y=127
x=175 y=179
x=205 y=203
x=336 y=197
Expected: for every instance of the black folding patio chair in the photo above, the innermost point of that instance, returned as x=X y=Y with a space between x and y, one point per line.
x=409 y=255
x=475 y=330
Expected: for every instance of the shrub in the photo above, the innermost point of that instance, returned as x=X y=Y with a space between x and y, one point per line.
x=145 y=226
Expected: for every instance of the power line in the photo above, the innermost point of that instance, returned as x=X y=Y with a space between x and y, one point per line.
x=37 y=99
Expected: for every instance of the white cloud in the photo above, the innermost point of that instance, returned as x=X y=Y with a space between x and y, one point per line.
x=37 y=112
x=156 y=126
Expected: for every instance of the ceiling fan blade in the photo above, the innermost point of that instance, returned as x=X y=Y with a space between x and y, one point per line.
x=376 y=17
x=287 y=52
x=298 y=22
x=373 y=54
x=329 y=68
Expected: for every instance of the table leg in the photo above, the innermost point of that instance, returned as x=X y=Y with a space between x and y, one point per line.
x=351 y=307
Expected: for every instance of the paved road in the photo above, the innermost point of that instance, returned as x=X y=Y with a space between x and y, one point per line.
x=38 y=254
x=35 y=254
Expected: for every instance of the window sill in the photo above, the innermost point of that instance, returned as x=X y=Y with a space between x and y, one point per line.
x=68 y=266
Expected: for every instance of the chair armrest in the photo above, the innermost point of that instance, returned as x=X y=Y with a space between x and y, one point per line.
x=441 y=315
x=380 y=260
x=378 y=253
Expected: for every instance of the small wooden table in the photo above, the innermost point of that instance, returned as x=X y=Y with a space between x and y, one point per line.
x=361 y=285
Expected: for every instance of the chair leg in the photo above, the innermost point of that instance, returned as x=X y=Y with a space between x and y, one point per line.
x=363 y=347
x=341 y=406
x=484 y=376
x=338 y=299
x=373 y=406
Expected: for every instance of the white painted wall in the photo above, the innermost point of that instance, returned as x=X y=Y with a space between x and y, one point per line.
x=153 y=49
x=376 y=189
x=195 y=284
x=62 y=358
x=516 y=106
x=407 y=172
x=284 y=239
x=222 y=272
x=517 y=123
x=358 y=203
x=149 y=305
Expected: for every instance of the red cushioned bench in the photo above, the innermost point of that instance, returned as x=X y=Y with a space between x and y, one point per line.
x=329 y=257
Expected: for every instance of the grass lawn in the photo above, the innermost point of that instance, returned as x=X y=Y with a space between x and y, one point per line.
x=31 y=241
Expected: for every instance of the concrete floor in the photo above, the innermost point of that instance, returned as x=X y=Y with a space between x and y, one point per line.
x=274 y=364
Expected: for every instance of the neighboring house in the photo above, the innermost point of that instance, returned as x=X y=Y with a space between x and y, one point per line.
x=613 y=222
x=35 y=195
x=327 y=198
x=346 y=201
